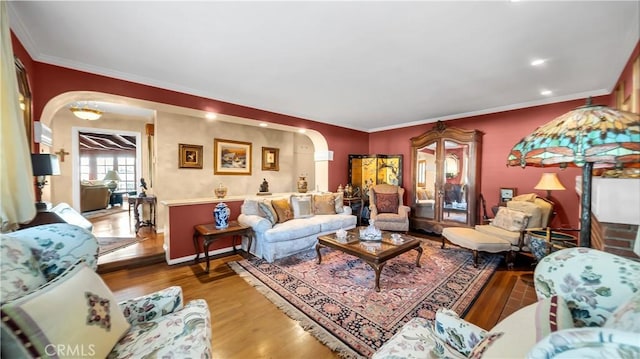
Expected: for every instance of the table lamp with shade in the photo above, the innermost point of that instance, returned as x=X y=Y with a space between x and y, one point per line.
x=114 y=178
x=549 y=182
x=43 y=165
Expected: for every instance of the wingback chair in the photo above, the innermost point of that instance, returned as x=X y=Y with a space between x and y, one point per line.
x=387 y=208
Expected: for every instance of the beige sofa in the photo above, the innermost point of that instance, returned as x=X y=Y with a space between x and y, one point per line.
x=93 y=197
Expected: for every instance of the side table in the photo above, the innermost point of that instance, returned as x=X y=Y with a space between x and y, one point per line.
x=356 y=204
x=210 y=234
x=137 y=201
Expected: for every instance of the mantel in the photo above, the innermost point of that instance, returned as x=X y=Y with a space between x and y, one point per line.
x=205 y=200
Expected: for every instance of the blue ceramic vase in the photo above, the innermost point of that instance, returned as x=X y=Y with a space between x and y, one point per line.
x=221 y=214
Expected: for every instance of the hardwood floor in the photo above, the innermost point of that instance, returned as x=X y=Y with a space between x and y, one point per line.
x=245 y=324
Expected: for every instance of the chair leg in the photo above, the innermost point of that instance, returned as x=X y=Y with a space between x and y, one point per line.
x=510 y=258
x=475 y=258
x=442 y=246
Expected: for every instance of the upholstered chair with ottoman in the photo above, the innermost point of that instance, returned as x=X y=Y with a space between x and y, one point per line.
x=387 y=208
x=588 y=307
x=54 y=304
x=505 y=233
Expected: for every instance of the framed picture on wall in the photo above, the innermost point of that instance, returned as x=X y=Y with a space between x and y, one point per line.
x=231 y=157
x=189 y=156
x=270 y=160
x=506 y=195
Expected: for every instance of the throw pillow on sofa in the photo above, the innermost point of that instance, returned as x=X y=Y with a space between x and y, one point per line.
x=283 y=209
x=93 y=322
x=268 y=211
x=302 y=206
x=459 y=334
x=252 y=207
x=324 y=204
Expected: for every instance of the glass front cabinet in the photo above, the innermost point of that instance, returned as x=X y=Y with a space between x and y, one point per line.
x=445 y=178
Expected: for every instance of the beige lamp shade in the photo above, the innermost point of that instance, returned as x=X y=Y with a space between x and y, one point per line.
x=113 y=177
x=549 y=182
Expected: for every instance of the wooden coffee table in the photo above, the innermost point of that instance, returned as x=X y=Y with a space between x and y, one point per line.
x=374 y=253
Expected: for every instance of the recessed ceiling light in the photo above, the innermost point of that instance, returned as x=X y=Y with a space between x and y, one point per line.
x=210 y=116
x=262 y=124
x=302 y=130
x=546 y=92
x=538 y=62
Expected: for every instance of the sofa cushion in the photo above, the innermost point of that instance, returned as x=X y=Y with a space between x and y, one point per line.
x=324 y=203
x=295 y=228
x=387 y=202
x=510 y=220
x=20 y=273
x=509 y=236
x=283 y=209
x=552 y=314
x=627 y=316
x=302 y=206
x=79 y=299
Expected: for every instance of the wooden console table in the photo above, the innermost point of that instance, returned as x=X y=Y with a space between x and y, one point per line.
x=211 y=234
x=137 y=201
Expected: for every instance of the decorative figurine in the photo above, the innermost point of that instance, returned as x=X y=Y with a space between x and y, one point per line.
x=143 y=188
x=264 y=188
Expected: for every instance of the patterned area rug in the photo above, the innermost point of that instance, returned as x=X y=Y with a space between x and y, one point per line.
x=336 y=301
x=110 y=244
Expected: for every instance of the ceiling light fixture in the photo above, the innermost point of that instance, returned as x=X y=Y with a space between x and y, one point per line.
x=262 y=124
x=302 y=130
x=538 y=62
x=85 y=112
x=546 y=92
x=210 y=116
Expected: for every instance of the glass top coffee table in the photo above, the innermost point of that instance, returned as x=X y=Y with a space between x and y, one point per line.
x=375 y=253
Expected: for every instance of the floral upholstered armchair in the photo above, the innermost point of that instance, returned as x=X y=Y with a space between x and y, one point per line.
x=588 y=307
x=54 y=304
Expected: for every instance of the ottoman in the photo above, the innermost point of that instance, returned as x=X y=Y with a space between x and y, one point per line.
x=476 y=241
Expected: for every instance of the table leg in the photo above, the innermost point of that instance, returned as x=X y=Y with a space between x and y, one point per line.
x=318 y=252
x=195 y=245
x=419 y=249
x=205 y=245
x=377 y=269
x=233 y=241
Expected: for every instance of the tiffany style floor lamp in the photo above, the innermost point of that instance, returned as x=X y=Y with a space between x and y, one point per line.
x=587 y=136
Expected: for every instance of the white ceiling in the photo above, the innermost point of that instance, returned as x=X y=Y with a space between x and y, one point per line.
x=363 y=65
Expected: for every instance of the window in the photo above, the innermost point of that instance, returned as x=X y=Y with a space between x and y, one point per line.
x=103 y=165
x=127 y=170
x=85 y=168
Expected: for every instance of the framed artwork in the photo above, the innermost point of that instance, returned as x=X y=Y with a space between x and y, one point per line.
x=270 y=159
x=189 y=156
x=231 y=157
x=507 y=194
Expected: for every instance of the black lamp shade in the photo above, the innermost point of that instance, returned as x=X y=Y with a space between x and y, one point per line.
x=45 y=164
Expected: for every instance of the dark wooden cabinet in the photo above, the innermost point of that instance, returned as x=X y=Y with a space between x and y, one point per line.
x=445 y=177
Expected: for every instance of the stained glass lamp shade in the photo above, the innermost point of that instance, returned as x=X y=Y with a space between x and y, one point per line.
x=587 y=136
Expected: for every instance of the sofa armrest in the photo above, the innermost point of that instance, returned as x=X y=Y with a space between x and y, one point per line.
x=151 y=306
x=458 y=333
x=586 y=343
x=404 y=210
x=57 y=246
x=257 y=223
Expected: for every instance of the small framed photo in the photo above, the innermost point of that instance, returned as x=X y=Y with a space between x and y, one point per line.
x=507 y=194
x=270 y=159
x=231 y=157
x=189 y=156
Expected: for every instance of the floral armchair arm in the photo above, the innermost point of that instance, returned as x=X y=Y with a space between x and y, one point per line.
x=148 y=307
x=57 y=246
x=458 y=333
x=587 y=343
x=593 y=283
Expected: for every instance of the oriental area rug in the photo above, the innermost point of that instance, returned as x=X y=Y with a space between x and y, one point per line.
x=108 y=245
x=337 y=303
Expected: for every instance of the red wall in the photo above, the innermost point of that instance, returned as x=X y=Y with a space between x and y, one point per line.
x=501 y=130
